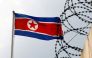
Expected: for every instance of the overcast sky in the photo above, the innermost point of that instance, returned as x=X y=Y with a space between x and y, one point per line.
x=26 y=47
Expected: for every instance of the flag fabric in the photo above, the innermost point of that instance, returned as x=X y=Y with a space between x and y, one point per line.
x=43 y=28
x=87 y=51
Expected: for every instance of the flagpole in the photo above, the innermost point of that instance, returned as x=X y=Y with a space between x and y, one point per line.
x=91 y=2
x=12 y=40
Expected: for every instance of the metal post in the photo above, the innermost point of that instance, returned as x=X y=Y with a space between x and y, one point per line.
x=12 y=40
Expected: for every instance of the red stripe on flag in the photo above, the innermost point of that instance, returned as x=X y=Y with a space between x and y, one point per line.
x=46 y=28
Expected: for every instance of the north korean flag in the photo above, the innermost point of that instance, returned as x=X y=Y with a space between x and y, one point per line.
x=43 y=28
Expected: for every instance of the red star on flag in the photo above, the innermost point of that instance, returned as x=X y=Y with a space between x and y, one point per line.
x=32 y=25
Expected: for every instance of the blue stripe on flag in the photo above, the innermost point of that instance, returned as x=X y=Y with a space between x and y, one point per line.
x=43 y=19
x=36 y=35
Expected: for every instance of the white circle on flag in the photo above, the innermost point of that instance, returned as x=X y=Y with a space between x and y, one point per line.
x=32 y=25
